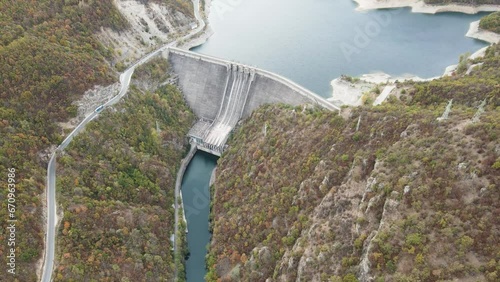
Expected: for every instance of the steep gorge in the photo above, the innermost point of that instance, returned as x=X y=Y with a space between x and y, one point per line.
x=51 y=53
x=305 y=195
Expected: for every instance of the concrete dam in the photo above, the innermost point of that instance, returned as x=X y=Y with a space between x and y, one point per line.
x=221 y=93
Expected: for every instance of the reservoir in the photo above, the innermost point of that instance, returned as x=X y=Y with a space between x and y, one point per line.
x=314 y=41
x=196 y=200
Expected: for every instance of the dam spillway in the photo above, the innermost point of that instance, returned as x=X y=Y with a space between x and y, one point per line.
x=231 y=109
x=221 y=93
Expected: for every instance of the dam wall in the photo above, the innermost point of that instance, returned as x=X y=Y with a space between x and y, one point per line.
x=221 y=93
x=203 y=80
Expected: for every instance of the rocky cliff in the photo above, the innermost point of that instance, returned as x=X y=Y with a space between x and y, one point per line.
x=150 y=23
x=404 y=191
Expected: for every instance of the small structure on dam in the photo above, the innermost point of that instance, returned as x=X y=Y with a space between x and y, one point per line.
x=221 y=93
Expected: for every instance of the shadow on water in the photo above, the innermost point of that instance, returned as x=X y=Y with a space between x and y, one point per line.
x=196 y=200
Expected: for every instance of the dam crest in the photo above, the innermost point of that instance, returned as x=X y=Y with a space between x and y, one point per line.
x=221 y=93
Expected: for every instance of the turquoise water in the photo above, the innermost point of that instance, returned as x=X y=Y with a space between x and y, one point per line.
x=315 y=41
x=196 y=200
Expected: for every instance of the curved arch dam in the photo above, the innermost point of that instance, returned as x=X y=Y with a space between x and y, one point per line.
x=220 y=93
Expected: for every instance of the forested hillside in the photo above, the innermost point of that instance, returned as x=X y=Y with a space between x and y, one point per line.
x=491 y=22
x=116 y=183
x=386 y=193
x=48 y=58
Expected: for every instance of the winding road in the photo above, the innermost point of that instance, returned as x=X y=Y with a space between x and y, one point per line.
x=125 y=78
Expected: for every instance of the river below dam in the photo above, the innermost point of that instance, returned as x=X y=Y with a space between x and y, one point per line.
x=313 y=42
x=196 y=201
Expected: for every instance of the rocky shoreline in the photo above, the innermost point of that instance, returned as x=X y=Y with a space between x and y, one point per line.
x=484 y=35
x=205 y=34
x=348 y=93
x=419 y=6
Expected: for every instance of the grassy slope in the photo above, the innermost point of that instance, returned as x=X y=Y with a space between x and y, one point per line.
x=303 y=191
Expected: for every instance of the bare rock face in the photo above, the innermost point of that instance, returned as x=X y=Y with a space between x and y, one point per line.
x=44 y=155
x=96 y=97
x=264 y=255
x=151 y=24
x=90 y=100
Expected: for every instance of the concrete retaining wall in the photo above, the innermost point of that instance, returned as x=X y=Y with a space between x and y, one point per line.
x=203 y=78
x=178 y=193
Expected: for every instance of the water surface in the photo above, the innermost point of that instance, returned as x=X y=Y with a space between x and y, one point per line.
x=315 y=41
x=196 y=200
